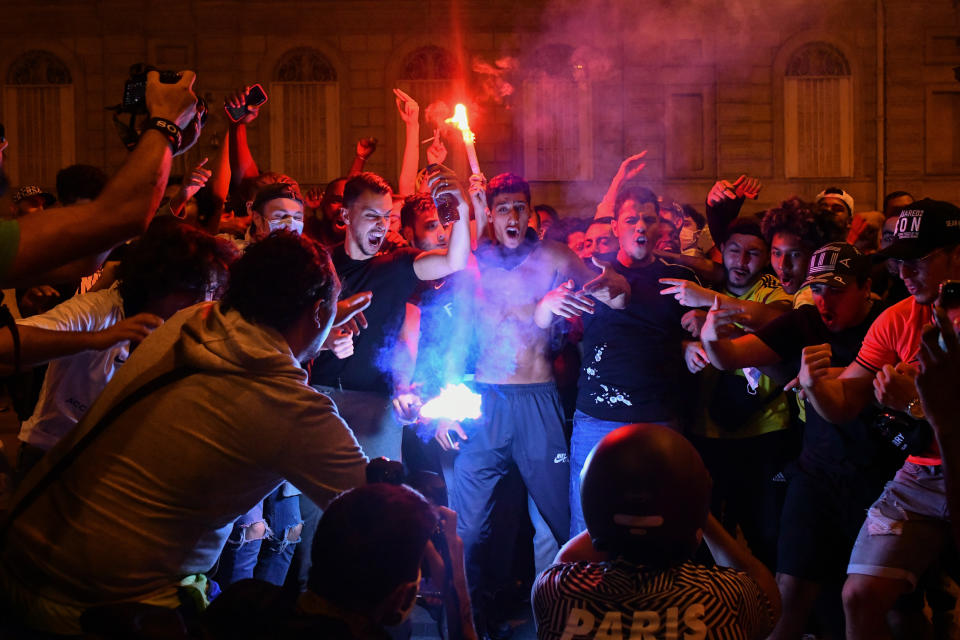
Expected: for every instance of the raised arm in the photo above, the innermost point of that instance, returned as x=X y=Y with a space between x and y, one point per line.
x=410 y=114
x=365 y=149
x=628 y=169
x=124 y=208
x=242 y=164
x=439 y=263
x=724 y=201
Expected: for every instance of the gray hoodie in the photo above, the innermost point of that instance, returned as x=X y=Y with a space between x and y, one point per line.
x=154 y=498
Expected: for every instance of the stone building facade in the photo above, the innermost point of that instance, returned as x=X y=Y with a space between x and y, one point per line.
x=803 y=94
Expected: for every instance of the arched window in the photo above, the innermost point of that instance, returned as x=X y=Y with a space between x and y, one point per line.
x=557 y=121
x=305 y=117
x=427 y=76
x=818 y=113
x=38 y=113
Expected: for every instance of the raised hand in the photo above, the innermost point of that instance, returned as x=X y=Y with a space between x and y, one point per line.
x=436 y=152
x=747 y=187
x=366 y=147
x=478 y=192
x=687 y=293
x=408 y=107
x=631 y=166
x=174 y=102
x=237 y=100
x=195 y=180
x=567 y=303
x=814 y=364
x=313 y=198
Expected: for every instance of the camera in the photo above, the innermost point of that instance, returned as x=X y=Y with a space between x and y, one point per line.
x=135 y=88
x=907 y=434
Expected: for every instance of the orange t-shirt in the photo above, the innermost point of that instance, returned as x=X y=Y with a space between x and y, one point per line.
x=895 y=337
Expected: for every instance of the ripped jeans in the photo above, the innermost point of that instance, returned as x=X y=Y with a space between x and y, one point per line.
x=263 y=539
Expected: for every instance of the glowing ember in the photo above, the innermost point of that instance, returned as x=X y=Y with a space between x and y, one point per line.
x=455 y=402
x=460 y=120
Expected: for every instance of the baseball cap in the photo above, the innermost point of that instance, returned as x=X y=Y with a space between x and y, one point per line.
x=32 y=190
x=923 y=226
x=837 y=192
x=275 y=191
x=837 y=264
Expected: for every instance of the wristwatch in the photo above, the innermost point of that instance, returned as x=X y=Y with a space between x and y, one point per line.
x=915 y=409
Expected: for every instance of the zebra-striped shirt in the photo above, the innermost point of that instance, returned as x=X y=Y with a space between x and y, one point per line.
x=620 y=600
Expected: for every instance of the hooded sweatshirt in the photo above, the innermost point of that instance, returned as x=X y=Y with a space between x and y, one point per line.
x=152 y=500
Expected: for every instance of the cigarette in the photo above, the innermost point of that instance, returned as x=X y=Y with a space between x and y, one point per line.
x=450 y=440
x=428 y=140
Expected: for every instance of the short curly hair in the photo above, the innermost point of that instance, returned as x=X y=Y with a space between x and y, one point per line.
x=170 y=257
x=796 y=217
x=413 y=205
x=280 y=277
x=507 y=183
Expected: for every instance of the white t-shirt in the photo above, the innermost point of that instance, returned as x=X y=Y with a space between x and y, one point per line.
x=74 y=382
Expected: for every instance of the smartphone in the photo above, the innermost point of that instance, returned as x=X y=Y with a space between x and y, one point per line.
x=255 y=97
x=948 y=300
x=3 y=133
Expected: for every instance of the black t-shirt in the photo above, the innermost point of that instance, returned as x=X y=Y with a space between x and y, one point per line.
x=392 y=280
x=843 y=448
x=632 y=357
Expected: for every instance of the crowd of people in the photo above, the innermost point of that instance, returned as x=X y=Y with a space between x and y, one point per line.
x=727 y=424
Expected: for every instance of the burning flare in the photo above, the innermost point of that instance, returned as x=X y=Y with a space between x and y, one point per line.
x=459 y=119
x=455 y=402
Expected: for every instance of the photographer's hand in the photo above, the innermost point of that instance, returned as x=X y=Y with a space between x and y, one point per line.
x=174 y=102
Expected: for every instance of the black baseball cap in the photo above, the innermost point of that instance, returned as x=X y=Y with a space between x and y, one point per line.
x=923 y=226
x=275 y=191
x=837 y=264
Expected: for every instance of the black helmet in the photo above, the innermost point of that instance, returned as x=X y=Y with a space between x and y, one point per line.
x=645 y=493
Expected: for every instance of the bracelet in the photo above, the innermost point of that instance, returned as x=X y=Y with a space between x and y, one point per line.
x=172 y=132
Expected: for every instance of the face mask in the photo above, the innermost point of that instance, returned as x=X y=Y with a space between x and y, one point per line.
x=286 y=223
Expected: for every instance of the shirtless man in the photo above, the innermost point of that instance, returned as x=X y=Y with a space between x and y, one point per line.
x=522 y=421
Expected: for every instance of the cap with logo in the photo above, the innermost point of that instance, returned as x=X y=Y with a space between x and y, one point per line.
x=31 y=191
x=837 y=264
x=922 y=227
x=836 y=192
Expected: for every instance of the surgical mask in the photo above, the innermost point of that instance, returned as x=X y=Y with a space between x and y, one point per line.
x=286 y=223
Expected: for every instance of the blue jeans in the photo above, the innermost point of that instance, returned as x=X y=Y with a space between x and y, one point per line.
x=587 y=432
x=266 y=559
